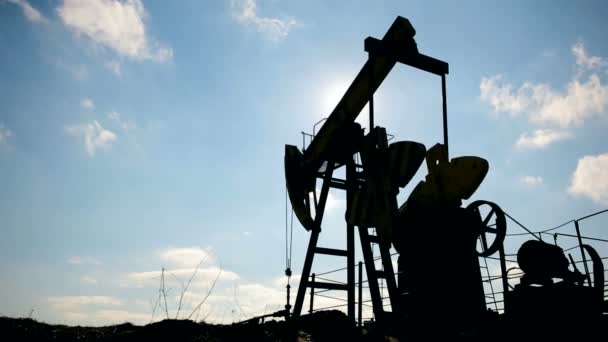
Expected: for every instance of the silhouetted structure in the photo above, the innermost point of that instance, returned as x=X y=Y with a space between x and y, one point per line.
x=375 y=171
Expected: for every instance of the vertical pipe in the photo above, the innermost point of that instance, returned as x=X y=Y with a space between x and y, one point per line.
x=350 y=243
x=505 y=281
x=445 y=115
x=288 y=306
x=580 y=245
x=371 y=94
x=312 y=294
x=360 y=303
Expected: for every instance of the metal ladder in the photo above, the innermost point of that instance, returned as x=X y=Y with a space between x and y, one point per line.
x=374 y=275
x=313 y=249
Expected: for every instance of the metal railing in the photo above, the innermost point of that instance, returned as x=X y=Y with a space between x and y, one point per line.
x=494 y=293
x=490 y=279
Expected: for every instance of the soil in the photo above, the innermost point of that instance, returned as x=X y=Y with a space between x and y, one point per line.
x=320 y=326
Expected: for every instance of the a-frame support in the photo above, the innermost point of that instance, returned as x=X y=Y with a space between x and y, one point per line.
x=367 y=240
x=313 y=249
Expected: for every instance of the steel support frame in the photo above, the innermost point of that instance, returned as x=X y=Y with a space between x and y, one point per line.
x=349 y=186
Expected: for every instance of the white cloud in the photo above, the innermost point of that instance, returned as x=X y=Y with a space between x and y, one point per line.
x=121 y=316
x=30 y=12
x=207 y=282
x=75 y=317
x=282 y=281
x=583 y=100
x=207 y=276
x=186 y=256
x=181 y=264
x=124 y=124
x=502 y=96
x=332 y=204
x=78 y=260
x=204 y=276
x=71 y=302
x=232 y=300
x=246 y=13
x=586 y=62
x=253 y=298
x=533 y=180
x=540 y=138
x=585 y=97
x=591 y=178
x=242 y=301
x=87 y=103
x=87 y=317
x=5 y=134
x=94 y=136
x=118 y=25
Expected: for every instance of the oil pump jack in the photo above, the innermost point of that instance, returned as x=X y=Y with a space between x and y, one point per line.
x=372 y=186
x=433 y=210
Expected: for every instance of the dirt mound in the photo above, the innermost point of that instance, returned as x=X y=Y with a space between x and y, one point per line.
x=320 y=326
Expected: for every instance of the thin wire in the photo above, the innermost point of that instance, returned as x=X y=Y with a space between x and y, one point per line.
x=330 y=307
x=571 y=248
x=561 y=225
x=582 y=237
x=344 y=268
x=590 y=215
x=521 y=225
x=329 y=280
x=291 y=239
x=286 y=232
x=331 y=297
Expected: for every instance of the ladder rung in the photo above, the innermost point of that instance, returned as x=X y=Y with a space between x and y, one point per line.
x=374 y=238
x=327 y=286
x=331 y=251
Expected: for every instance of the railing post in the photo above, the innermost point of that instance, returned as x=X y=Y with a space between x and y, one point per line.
x=350 y=241
x=360 y=303
x=505 y=281
x=445 y=115
x=312 y=294
x=580 y=245
x=288 y=306
x=371 y=94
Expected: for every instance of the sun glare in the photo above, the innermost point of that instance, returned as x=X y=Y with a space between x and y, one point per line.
x=330 y=95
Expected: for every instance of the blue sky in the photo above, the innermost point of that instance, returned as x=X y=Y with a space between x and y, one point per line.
x=139 y=135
